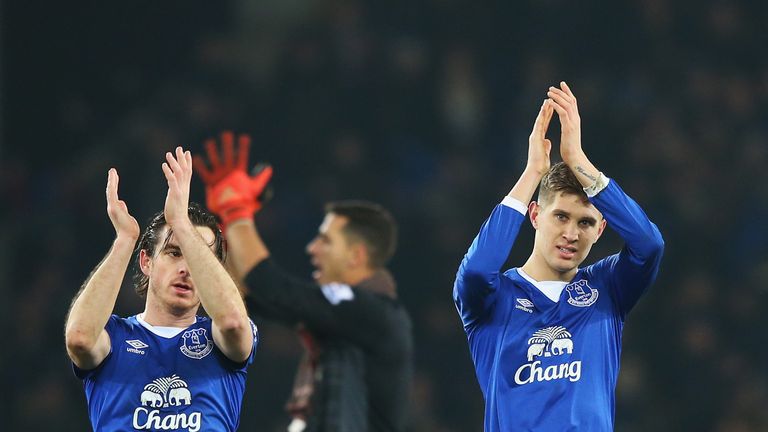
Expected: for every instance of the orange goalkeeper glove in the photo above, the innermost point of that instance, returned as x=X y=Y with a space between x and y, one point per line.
x=230 y=192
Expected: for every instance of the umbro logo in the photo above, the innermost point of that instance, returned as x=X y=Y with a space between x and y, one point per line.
x=525 y=302
x=524 y=305
x=137 y=346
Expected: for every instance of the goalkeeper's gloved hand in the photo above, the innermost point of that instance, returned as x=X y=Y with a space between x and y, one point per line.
x=230 y=193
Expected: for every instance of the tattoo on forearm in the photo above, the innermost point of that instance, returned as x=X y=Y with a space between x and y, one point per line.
x=586 y=174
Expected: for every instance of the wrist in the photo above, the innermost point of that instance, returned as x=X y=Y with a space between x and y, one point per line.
x=536 y=172
x=572 y=156
x=182 y=226
x=600 y=183
x=126 y=241
x=233 y=215
x=245 y=221
x=235 y=225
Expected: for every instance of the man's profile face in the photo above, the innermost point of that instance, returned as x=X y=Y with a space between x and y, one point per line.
x=566 y=228
x=330 y=251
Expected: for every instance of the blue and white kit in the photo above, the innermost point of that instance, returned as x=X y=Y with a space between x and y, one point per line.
x=551 y=364
x=164 y=379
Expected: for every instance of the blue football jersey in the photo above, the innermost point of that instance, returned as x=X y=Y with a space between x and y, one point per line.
x=156 y=383
x=545 y=365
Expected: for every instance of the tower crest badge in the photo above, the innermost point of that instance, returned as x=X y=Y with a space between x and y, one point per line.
x=196 y=343
x=580 y=294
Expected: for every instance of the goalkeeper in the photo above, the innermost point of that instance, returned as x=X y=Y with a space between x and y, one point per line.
x=357 y=367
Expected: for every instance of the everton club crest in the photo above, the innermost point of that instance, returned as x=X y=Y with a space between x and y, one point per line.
x=580 y=294
x=195 y=343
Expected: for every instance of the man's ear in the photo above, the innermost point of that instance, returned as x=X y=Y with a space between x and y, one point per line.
x=358 y=254
x=600 y=229
x=533 y=213
x=145 y=262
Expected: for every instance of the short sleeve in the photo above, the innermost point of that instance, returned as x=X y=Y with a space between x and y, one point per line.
x=113 y=329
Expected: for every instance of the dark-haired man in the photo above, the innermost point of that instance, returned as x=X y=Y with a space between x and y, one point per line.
x=165 y=368
x=356 y=373
x=546 y=337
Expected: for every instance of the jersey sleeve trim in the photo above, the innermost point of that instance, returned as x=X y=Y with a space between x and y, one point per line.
x=516 y=204
x=601 y=182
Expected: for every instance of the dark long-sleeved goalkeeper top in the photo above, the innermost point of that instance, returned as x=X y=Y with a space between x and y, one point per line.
x=365 y=362
x=544 y=365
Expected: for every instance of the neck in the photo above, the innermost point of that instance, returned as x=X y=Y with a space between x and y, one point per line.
x=379 y=281
x=158 y=316
x=536 y=268
x=354 y=277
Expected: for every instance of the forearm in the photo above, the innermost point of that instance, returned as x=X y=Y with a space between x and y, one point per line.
x=586 y=173
x=245 y=248
x=635 y=268
x=218 y=294
x=95 y=302
x=217 y=291
x=626 y=217
x=276 y=295
x=526 y=185
x=491 y=247
x=478 y=275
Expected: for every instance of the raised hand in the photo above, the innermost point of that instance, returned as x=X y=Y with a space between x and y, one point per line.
x=220 y=169
x=125 y=225
x=230 y=192
x=564 y=102
x=178 y=172
x=539 y=147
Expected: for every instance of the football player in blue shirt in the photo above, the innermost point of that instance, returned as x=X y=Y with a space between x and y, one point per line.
x=545 y=338
x=165 y=368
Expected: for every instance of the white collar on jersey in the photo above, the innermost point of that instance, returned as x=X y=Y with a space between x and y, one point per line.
x=166 y=332
x=551 y=289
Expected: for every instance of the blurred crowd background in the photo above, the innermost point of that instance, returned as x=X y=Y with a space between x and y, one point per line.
x=425 y=107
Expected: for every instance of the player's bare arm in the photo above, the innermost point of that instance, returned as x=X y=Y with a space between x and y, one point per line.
x=218 y=293
x=539 y=148
x=88 y=344
x=564 y=102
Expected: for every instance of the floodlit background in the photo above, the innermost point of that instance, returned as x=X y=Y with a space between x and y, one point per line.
x=425 y=107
